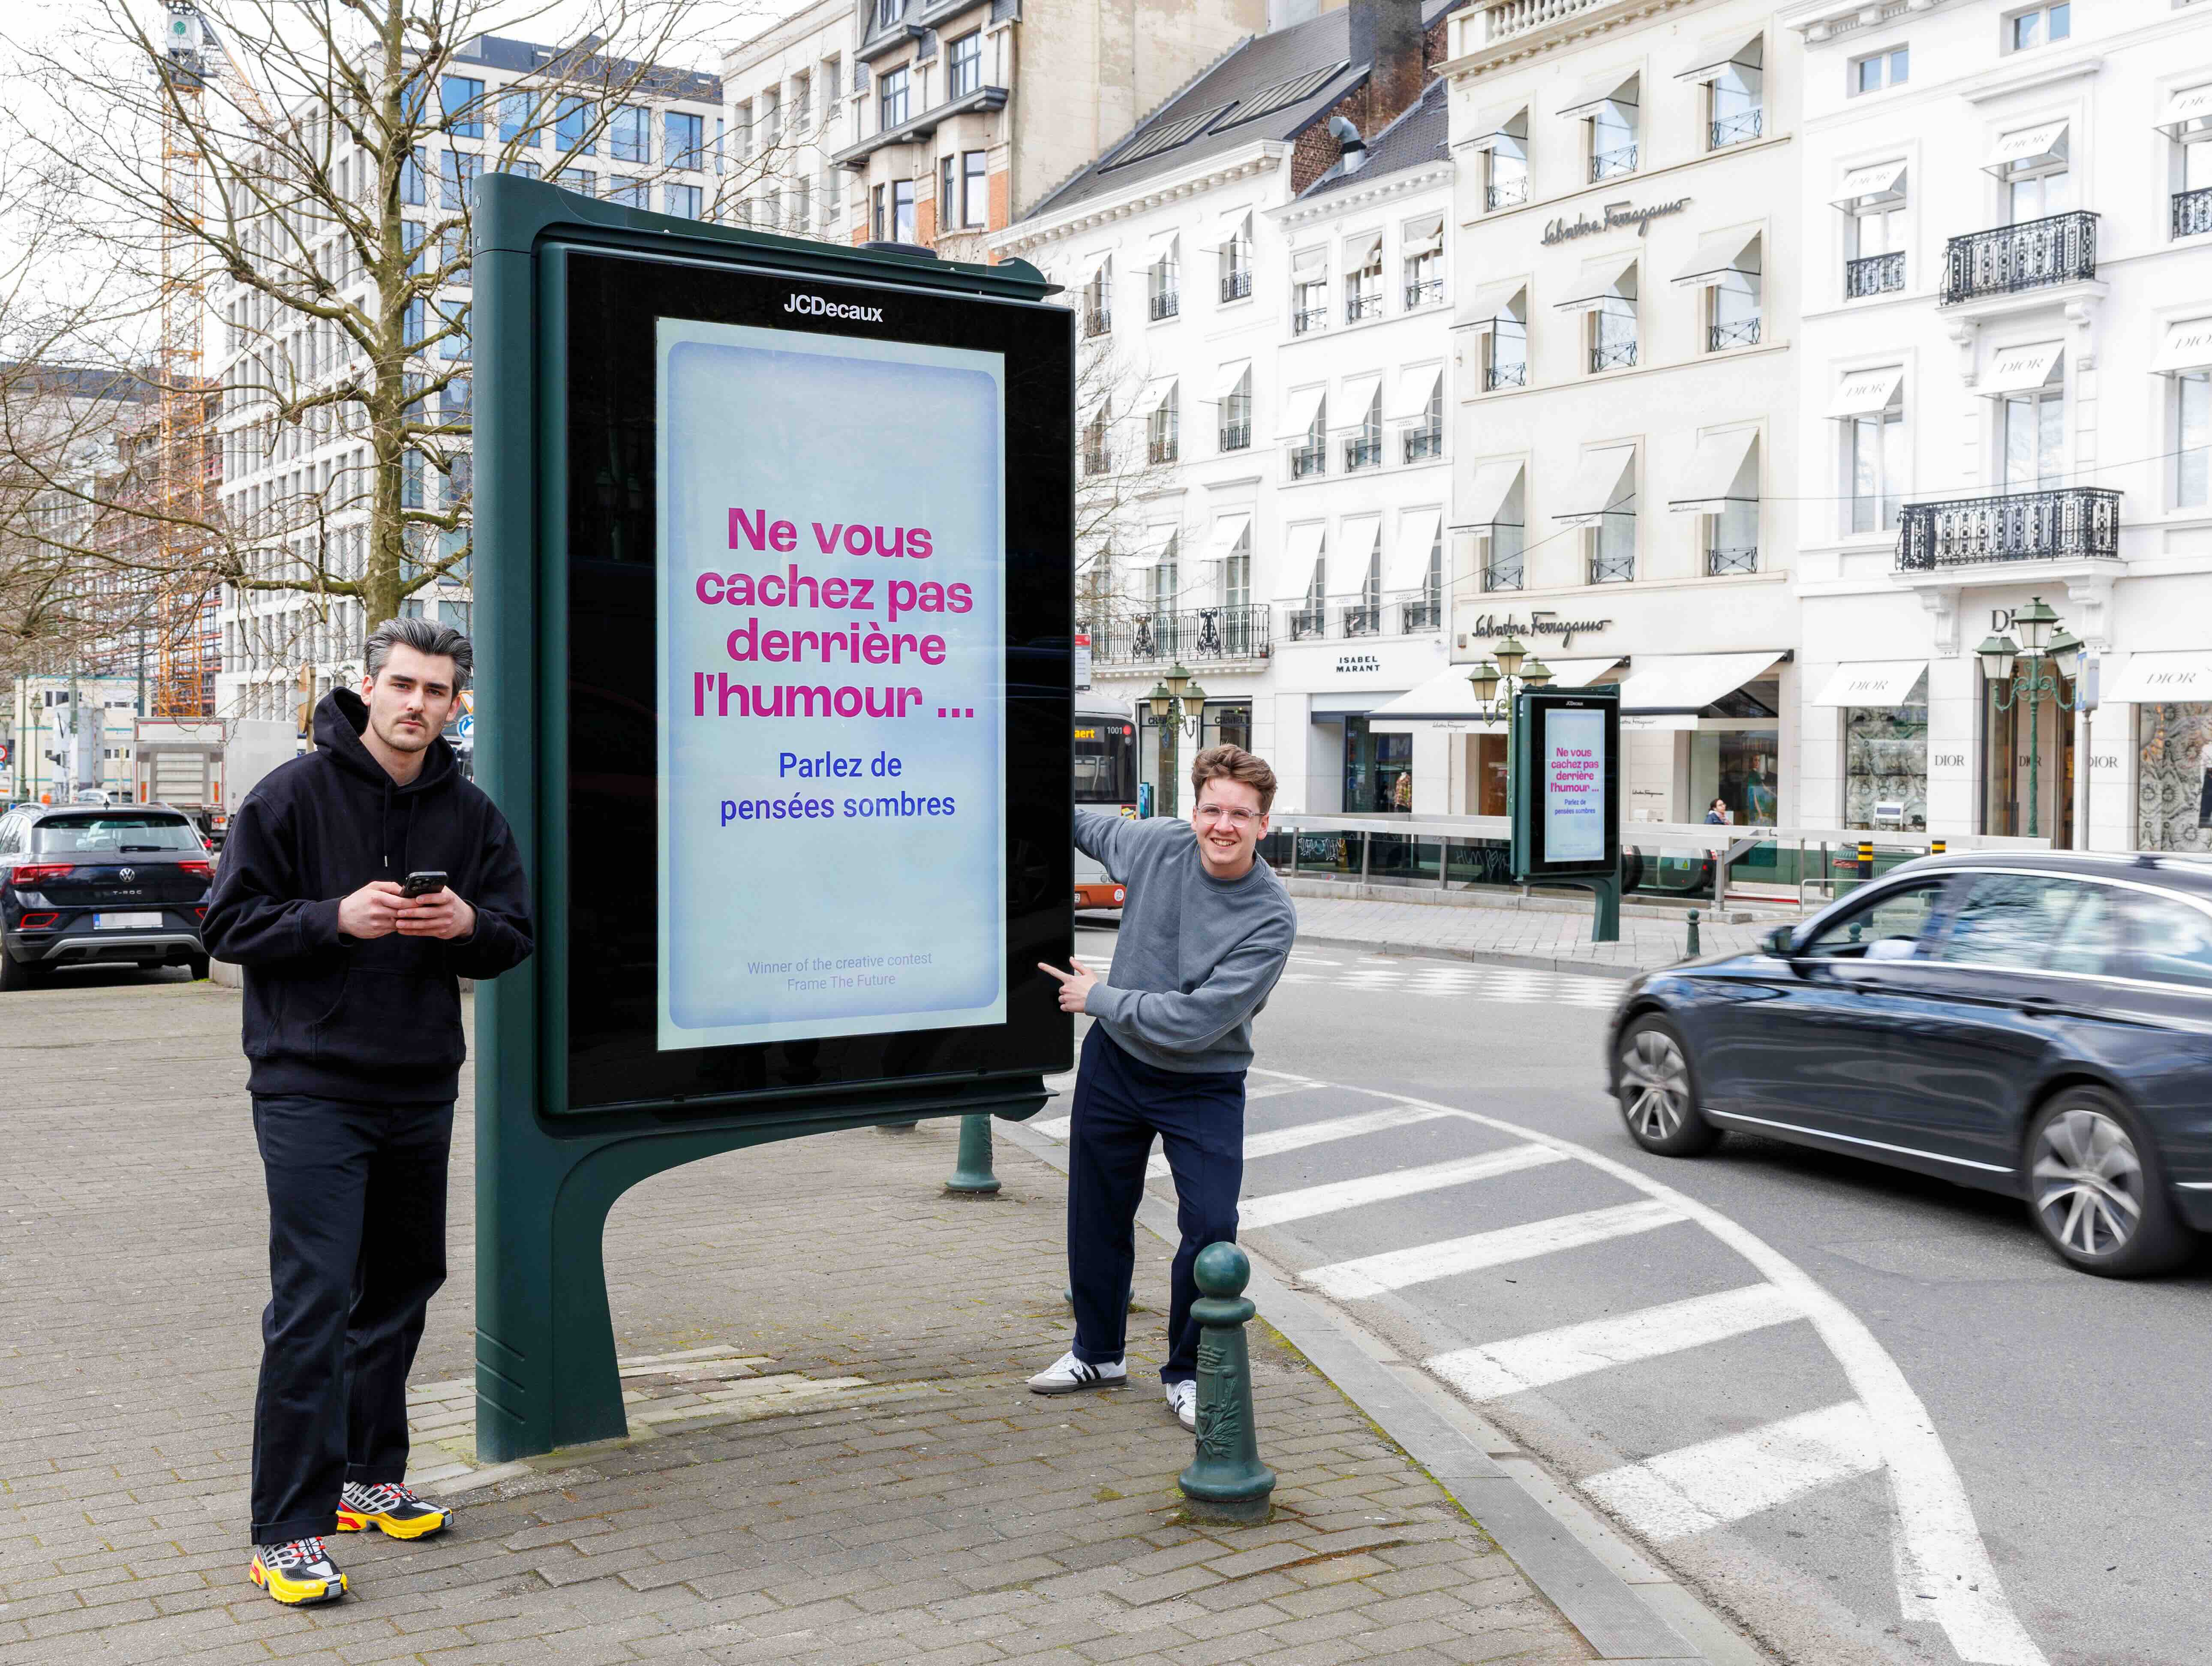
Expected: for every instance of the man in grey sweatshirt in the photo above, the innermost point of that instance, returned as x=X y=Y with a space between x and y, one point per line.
x=1205 y=930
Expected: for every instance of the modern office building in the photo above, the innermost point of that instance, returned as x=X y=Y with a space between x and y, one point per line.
x=2005 y=279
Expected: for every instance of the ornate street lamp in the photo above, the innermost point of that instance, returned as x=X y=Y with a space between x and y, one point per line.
x=1177 y=705
x=2030 y=671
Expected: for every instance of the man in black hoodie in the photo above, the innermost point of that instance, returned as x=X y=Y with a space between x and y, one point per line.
x=353 y=1036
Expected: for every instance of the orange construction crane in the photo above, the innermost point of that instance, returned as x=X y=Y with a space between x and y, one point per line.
x=184 y=680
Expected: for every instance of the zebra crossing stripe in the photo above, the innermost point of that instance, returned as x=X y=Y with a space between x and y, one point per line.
x=1497 y=1369
x=1701 y=1488
x=1279 y=1207
x=1372 y=1275
x=1276 y=1142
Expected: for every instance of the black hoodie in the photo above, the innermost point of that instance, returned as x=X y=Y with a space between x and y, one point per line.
x=340 y=1018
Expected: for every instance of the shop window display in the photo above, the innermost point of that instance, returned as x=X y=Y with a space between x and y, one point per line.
x=1886 y=763
x=2173 y=795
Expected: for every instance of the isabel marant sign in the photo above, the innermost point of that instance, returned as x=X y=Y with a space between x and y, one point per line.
x=1616 y=215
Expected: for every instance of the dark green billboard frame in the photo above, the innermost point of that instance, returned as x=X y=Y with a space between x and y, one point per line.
x=1524 y=787
x=546 y=1376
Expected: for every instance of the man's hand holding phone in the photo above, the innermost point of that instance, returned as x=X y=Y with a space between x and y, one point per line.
x=427 y=908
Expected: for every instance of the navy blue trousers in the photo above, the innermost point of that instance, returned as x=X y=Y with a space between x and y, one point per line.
x=1120 y=1103
x=356 y=1248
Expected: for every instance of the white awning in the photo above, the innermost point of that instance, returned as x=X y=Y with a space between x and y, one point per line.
x=1724 y=470
x=1234 y=221
x=1359 y=393
x=2016 y=369
x=1362 y=250
x=1729 y=258
x=1446 y=698
x=1863 y=392
x=1688 y=683
x=1300 y=407
x=1863 y=187
x=1491 y=302
x=1489 y=500
x=1310 y=260
x=1579 y=673
x=1228 y=531
x=2187 y=112
x=1098 y=264
x=1157 y=391
x=1159 y=246
x=1424 y=237
x=1416 y=388
x=1602 y=277
x=1156 y=542
x=2156 y=678
x=1409 y=566
x=1301 y=549
x=1357 y=538
x=1605 y=479
x=1615 y=87
x=1736 y=47
x=2187 y=346
x=2026 y=146
x=1878 y=682
x=1226 y=379
x=1504 y=121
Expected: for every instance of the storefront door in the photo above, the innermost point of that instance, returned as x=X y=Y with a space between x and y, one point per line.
x=2008 y=739
x=1378 y=770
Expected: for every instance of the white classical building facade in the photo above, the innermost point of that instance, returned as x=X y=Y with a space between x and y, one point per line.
x=2006 y=287
x=785 y=89
x=1626 y=237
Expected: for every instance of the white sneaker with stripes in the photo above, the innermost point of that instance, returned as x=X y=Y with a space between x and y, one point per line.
x=1069 y=1375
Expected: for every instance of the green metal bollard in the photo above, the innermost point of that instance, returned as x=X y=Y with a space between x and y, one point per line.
x=971 y=1172
x=1225 y=1481
x=1694 y=949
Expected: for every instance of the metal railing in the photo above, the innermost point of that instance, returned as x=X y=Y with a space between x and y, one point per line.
x=1097 y=321
x=1308 y=623
x=1166 y=303
x=1505 y=375
x=1611 y=164
x=1307 y=319
x=1511 y=194
x=1612 y=569
x=1422 y=443
x=1723 y=560
x=1163 y=451
x=1236 y=631
x=1236 y=285
x=1614 y=355
x=2192 y=211
x=1425 y=614
x=1743 y=332
x=1236 y=436
x=2066 y=524
x=2059 y=248
x=1364 y=452
x=1364 y=619
x=1307 y=459
x=1359 y=304
x=1425 y=293
x=1503 y=574
x=1725 y=130
x=1873 y=274
x=1098 y=459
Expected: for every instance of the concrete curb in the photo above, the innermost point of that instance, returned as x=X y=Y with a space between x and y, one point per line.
x=1487 y=957
x=1625 y=1608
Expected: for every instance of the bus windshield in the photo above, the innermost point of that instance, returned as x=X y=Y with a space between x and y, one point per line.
x=1105 y=761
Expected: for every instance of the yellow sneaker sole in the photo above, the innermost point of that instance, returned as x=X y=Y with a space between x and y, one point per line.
x=296 y=1593
x=423 y=1528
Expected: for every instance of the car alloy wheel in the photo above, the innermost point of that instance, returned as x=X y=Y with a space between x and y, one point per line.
x=1659 y=1091
x=2095 y=1189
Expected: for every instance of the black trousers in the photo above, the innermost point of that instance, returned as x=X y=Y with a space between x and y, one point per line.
x=356 y=1248
x=1120 y=1102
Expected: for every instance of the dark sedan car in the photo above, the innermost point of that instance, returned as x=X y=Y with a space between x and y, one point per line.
x=83 y=884
x=2035 y=1025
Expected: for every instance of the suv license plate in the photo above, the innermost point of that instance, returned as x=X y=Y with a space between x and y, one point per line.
x=109 y=922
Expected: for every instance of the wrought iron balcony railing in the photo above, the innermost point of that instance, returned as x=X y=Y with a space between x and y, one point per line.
x=1236 y=285
x=1236 y=436
x=1097 y=321
x=1426 y=613
x=1364 y=619
x=1505 y=375
x=1872 y=274
x=1163 y=451
x=1613 y=356
x=1308 y=623
x=1612 y=569
x=1098 y=459
x=1362 y=303
x=1503 y=574
x=1422 y=443
x=1743 y=332
x=2068 y=523
x=1234 y=631
x=1612 y=164
x=1725 y=130
x=1364 y=453
x=1307 y=459
x=2192 y=211
x=1425 y=293
x=2059 y=248
x=1721 y=561
x=1307 y=319
x=1166 y=303
x=1508 y=193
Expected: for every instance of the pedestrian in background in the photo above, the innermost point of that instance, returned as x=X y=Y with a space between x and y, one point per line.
x=1205 y=929
x=353 y=1038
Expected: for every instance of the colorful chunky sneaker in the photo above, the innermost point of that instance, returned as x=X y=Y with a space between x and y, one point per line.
x=392 y=1509
x=298 y=1574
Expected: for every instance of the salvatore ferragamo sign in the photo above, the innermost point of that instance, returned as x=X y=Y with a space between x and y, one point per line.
x=1538 y=623
x=1616 y=215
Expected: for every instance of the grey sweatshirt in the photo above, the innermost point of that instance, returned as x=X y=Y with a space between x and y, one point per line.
x=1196 y=956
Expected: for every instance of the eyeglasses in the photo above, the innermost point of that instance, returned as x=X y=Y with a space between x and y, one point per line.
x=1215 y=812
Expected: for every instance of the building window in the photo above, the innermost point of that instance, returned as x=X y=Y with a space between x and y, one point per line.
x=1732 y=537
x=626 y=192
x=461 y=98
x=891 y=100
x=683 y=139
x=1167 y=590
x=629 y=139
x=581 y=180
x=1163 y=430
x=1163 y=289
x=1425 y=264
x=948 y=204
x=1310 y=453
x=2192 y=203
x=1505 y=171
x=771 y=117
x=456 y=179
x=1097 y=451
x=888 y=12
x=572 y=126
x=1505 y=350
x=1362 y=280
x=1612 y=136
x=1612 y=336
x=742 y=118
x=1499 y=551
x=802 y=102
x=2031 y=433
x=1735 y=109
x=1733 y=318
x=902 y=212
x=1237 y=415
x=410 y=178
x=1237 y=591
x=2192 y=438
x=1234 y=258
x=1312 y=619
x=1425 y=436
x=683 y=201
x=1364 y=448
x=1875 y=241
x=515 y=126
x=2036 y=189
x=878 y=224
x=963 y=65
x=974 y=189
x=1309 y=292
x=1874 y=458
x=1098 y=301
x=1876 y=70
x=2032 y=28
x=1613 y=547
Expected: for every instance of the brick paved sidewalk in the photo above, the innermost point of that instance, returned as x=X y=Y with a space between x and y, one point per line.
x=840 y=1462
x=1560 y=939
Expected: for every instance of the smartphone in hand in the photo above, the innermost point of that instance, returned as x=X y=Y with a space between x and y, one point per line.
x=422 y=882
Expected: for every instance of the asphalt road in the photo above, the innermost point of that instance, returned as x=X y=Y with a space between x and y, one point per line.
x=1873 y=1418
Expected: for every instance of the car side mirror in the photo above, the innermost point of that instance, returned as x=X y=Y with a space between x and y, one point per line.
x=1781 y=942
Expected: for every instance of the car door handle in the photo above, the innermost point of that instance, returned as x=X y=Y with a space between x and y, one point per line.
x=2038 y=1006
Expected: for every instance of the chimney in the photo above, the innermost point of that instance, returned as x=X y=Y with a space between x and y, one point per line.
x=1386 y=36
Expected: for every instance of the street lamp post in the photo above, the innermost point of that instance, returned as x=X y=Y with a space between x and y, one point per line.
x=2029 y=670
x=1174 y=702
x=1495 y=683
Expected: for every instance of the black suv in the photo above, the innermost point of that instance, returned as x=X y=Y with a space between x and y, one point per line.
x=83 y=884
